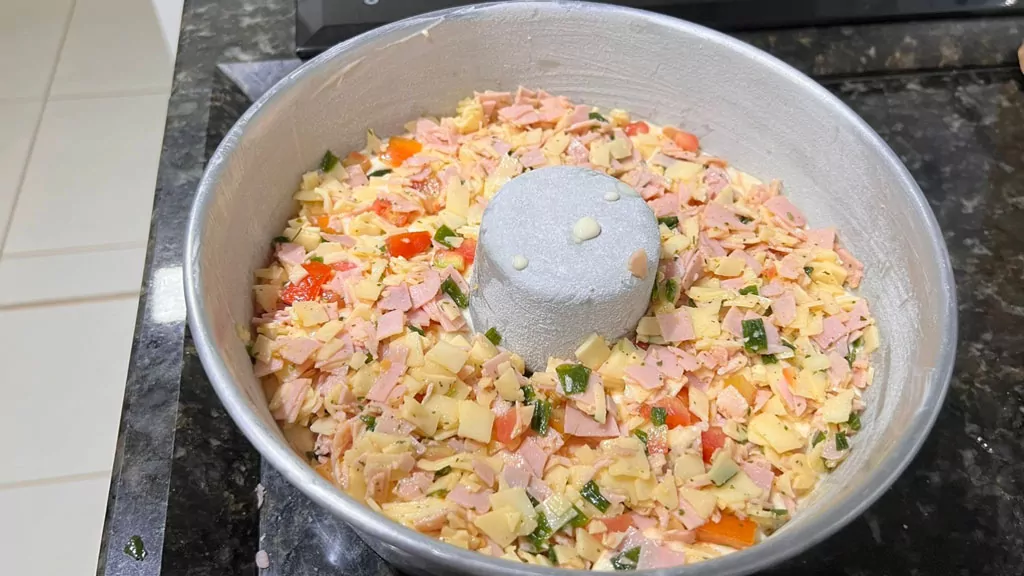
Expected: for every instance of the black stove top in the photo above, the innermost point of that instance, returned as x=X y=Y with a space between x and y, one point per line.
x=322 y=23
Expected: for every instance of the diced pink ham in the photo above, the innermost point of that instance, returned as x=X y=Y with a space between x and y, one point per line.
x=676 y=326
x=484 y=471
x=795 y=404
x=385 y=383
x=342 y=239
x=579 y=424
x=396 y=352
x=733 y=321
x=579 y=114
x=396 y=298
x=822 y=237
x=761 y=398
x=479 y=501
x=839 y=369
x=646 y=375
x=731 y=404
x=539 y=489
x=691 y=264
x=667 y=205
x=414 y=486
x=784 y=309
x=690 y=519
x=577 y=153
x=752 y=262
x=390 y=324
x=515 y=472
x=642 y=521
x=297 y=350
x=293 y=395
x=832 y=329
x=533 y=455
x=534 y=158
x=425 y=291
x=401 y=203
x=289 y=253
x=785 y=210
x=710 y=247
x=440 y=138
x=772 y=289
x=659 y=556
x=717 y=216
x=761 y=475
x=854 y=268
x=490 y=367
x=667 y=362
x=262 y=368
x=687 y=360
x=418 y=317
x=791 y=266
x=715 y=179
x=356 y=176
x=519 y=114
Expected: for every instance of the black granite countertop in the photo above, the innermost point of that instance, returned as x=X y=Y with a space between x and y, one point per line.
x=946 y=95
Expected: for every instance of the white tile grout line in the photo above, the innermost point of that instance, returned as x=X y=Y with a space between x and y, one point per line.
x=90 y=249
x=55 y=480
x=154 y=91
x=46 y=303
x=6 y=229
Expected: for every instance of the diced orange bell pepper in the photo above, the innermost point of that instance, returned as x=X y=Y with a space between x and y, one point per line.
x=401 y=149
x=729 y=531
x=408 y=244
x=383 y=208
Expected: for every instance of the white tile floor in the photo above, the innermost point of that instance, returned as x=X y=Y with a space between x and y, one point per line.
x=82 y=104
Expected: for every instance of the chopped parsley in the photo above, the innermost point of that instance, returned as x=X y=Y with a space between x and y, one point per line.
x=493 y=336
x=381 y=172
x=281 y=240
x=841 y=443
x=574 y=378
x=780 y=511
x=316 y=259
x=443 y=234
x=442 y=472
x=136 y=548
x=369 y=420
x=671 y=221
x=818 y=437
x=328 y=162
x=597 y=116
x=755 y=339
x=541 y=417
x=417 y=330
x=670 y=290
x=855 y=348
x=745 y=219
x=808 y=270
x=592 y=493
x=752 y=289
x=854 y=421
x=769 y=359
x=788 y=345
x=628 y=560
x=439 y=493
x=658 y=415
x=452 y=289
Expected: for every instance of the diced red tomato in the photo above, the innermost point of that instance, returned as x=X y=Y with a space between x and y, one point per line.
x=400 y=149
x=309 y=288
x=505 y=426
x=684 y=140
x=711 y=440
x=408 y=244
x=467 y=250
x=383 y=209
x=634 y=128
x=343 y=265
x=676 y=412
x=619 y=523
x=355 y=158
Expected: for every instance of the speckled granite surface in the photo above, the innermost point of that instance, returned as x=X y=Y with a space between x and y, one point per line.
x=946 y=95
